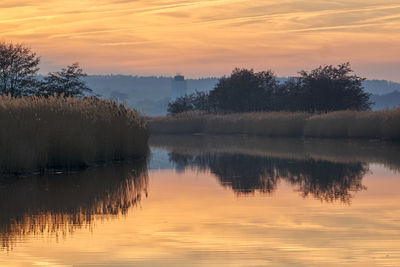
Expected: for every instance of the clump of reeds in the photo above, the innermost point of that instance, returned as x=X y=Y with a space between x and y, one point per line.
x=381 y=124
x=257 y=123
x=60 y=132
x=340 y=124
x=182 y=123
x=261 y=123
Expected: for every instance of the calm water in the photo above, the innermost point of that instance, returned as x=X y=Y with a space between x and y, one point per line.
x=212 y=201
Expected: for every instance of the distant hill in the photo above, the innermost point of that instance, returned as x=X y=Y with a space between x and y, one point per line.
x=138 y=88
x=390 y=100
x=147 y=94
x=151 y=94
x=380 y=87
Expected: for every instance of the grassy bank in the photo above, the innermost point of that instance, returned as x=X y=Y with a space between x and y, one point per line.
x=37 y=133
x=341 y=124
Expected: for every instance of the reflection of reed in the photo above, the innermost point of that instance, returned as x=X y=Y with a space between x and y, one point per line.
x=324 y=180
x=58 y=204
x=387 y=153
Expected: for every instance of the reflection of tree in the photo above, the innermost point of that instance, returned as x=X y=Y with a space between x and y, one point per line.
x=324 y=180
x=328 y=181
x=334 y=150
x=58 y=204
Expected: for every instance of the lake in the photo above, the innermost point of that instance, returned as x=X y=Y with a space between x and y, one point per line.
x=212 y=201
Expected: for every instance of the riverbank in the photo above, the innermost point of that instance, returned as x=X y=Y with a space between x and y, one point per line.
x=384 y=125
x=38 y=133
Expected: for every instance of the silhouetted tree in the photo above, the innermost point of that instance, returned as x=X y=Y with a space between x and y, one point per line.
x=291 y=97
x=329 y=88
x=199 y=101
x=67 y=82
x=18 y=69
x=181 y=104
x=244 y=91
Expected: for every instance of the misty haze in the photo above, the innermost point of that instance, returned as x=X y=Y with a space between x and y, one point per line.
x=199 y=133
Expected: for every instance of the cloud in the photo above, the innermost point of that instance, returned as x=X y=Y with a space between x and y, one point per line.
x=205 y=34
x=17 y=4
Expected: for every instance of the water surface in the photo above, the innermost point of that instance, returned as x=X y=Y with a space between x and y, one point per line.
x=213 y=201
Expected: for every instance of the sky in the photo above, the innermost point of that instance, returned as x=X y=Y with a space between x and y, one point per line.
x=209 y=37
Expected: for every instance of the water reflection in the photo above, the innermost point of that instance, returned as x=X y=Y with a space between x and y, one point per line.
x=329 y=170
x=245 y=174
x=193 y=218
x=344 y=151
x=58 y=204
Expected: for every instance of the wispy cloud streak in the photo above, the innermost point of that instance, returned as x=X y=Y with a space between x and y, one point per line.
x=199 y=36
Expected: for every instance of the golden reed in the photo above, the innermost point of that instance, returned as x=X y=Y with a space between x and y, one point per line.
x=37 y=133
x=384 y=124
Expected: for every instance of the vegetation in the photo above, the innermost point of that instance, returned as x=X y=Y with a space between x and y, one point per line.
x=18 y=75
x=328 y=88
x=67 y=82
x=43 y=126
x=245 y=91
x=37 y=133
x=324 y=89
x=18 y=69
x=152 y=94
x=339 y=124
x=196 y=101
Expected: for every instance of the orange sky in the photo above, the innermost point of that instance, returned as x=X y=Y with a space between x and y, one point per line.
x=203 y=38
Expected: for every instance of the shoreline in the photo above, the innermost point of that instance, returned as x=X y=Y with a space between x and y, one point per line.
x=382 y=152
x=379 y=125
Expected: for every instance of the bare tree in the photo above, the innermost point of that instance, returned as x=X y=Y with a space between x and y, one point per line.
x=67 y=82
x=18 y=69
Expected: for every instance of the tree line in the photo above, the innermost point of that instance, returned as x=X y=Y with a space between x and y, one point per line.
x=19 y=75
x=326 y=88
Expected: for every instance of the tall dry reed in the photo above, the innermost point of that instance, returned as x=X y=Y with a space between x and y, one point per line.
x=381 y=124
x=261 y=123
x=340 y=124
x=38 y=133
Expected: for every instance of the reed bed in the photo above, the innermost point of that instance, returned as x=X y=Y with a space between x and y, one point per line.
x=383 y=125
x=38 y=133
